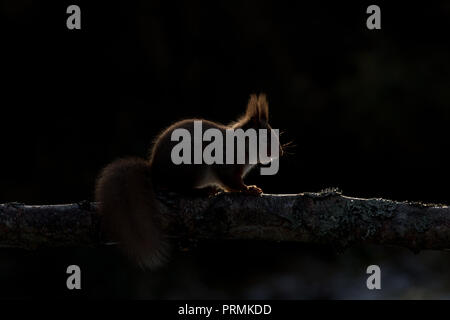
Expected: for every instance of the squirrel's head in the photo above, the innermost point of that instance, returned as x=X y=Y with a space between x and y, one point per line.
x=257 y=117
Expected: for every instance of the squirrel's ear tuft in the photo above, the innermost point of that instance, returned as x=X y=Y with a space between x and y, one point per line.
x=252 y=108
x=257 y=107
x=263 y=107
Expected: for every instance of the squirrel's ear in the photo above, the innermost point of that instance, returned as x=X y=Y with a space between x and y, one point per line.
x=263 y=107
x=252 y=108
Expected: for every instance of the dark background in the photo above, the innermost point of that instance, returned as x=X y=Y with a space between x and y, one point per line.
x=368 y=111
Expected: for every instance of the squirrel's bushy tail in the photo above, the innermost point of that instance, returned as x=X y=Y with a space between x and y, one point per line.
x=130 y=211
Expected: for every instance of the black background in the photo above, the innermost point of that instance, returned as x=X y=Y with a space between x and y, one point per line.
x=367 y=110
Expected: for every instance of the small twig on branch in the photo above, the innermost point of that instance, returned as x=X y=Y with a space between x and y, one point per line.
x=322 y=218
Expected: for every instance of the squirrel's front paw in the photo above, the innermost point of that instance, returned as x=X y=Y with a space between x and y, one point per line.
x=253 y=190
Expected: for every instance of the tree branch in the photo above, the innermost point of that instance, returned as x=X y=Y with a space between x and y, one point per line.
x=322 y=218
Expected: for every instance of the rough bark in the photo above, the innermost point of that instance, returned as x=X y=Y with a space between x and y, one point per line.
x=321 y=218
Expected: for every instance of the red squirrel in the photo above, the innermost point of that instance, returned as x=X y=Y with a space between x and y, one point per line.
x=125 y=189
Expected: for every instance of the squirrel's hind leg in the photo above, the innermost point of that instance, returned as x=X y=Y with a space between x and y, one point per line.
x=234 y=183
